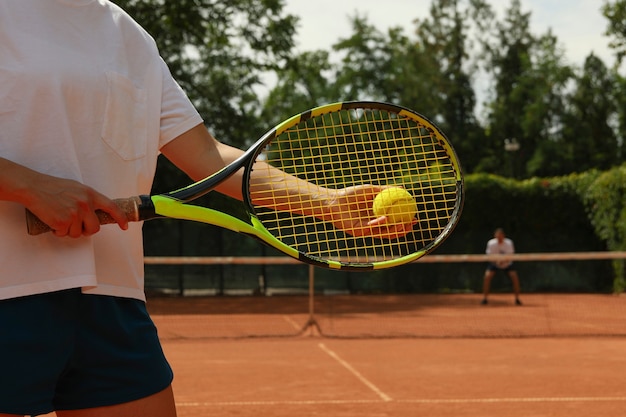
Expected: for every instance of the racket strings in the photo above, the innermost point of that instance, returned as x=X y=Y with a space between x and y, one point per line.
x=349 y=148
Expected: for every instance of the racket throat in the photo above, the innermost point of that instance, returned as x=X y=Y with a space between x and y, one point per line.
x=146 y=208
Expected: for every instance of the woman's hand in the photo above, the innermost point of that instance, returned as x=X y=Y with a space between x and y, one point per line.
x=67 y=206
x=350 y=209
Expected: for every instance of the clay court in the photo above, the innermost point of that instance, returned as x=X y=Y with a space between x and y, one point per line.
x=401 y=378
x=558 y=355
x=400 y=356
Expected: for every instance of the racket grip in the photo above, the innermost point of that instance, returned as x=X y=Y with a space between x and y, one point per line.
x=130 y=206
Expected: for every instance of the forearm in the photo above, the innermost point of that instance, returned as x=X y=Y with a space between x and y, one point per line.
x=199 y=155
x=17 y=182
x=271 y=187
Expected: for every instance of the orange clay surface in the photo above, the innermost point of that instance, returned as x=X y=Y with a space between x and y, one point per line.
x=311 y=375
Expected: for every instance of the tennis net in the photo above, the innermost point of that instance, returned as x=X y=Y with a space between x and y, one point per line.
x=307 y=304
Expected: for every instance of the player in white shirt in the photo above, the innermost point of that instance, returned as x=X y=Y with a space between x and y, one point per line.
x=502 y=245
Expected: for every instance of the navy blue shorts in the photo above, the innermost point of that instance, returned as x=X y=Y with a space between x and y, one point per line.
x=67 y=350
x=494 y=267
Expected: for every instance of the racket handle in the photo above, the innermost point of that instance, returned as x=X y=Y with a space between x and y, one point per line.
x=130 y=206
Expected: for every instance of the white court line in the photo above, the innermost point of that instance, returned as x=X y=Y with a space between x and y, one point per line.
x=515 y=400
x=356 y=373
x=291 y=322
x=274 y=403
x=412 y=401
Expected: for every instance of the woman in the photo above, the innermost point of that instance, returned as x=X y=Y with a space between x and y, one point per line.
x=86 y=106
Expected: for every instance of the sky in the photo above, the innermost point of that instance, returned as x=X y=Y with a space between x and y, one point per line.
x=578 y=24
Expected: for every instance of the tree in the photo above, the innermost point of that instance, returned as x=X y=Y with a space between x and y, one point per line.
x=615 y=12
x=529 y=82
x=383 y=66
x=588 y=137
x=304 y=83
x=218 y=52
x=543 y=118
x=445 y=37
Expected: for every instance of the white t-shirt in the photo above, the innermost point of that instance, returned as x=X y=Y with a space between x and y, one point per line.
x=505 y=247
x=84 y=95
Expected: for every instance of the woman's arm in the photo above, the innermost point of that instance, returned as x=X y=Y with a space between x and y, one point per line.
x=67 y=206
x=200 y=155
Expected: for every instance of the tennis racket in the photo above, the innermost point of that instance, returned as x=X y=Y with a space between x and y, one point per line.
x=335 y=146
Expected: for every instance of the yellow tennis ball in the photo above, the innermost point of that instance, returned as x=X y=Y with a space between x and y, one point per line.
x=397 y=204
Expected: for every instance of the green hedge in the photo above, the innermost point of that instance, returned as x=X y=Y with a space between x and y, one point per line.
x=605 y=198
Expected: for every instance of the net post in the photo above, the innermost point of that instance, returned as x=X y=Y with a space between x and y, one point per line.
x=311 y=327
x=311 y=292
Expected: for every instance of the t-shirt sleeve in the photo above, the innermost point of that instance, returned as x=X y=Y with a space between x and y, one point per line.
x=178 y=114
